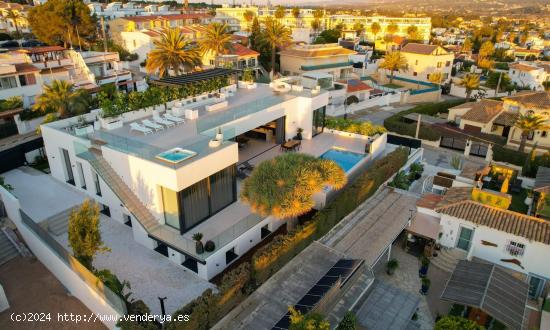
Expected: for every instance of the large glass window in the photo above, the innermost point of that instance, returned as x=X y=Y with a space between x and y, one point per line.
x=171 y=208
x=195 y=203
x=222 y=189
x=8 y=82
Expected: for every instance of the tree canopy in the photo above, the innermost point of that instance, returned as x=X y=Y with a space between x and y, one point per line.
x=284 y=186
x=172 y=52
x=62 y=22
x=456 y=323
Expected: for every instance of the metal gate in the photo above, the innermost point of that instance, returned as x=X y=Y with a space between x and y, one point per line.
x=404 y=141
x=478 y=149
x=453 y=143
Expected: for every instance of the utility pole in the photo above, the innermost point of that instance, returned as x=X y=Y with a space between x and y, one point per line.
x=498 y=84
x=162 y=310
x=418 y=125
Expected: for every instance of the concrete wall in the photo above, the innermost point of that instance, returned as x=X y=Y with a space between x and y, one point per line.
x=26 y=126
x=533 y=261
x=62 y=271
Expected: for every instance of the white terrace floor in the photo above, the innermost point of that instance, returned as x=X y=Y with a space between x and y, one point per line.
x=150 y=274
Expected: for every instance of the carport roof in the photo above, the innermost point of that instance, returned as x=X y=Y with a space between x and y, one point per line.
x=490 y=288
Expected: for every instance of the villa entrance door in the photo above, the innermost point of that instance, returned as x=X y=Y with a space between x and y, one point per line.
x=465 y=238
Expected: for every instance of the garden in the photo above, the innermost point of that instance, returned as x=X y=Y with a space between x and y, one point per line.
x=403 y=180
x=353 y=126
x=504 y=180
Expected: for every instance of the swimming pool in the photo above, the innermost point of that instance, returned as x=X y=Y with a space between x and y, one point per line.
x=345 y=159
x=176 y=155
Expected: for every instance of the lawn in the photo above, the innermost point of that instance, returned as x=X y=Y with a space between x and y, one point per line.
x=518 y=202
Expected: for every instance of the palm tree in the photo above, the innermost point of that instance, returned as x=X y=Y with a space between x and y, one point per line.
x=296 y=15
x=284 y=186
x=375 y=29
x=358 y=27
x=392 y=28
x=528 y=124
x=217 y=39
x=280 y=12
x=274 y=35
x=394 y=61
x=172 y=52
x=412 y=32
x=14 y=16
x=435 y=77
x=249 y=17
x=62 y=97
x=471 y=82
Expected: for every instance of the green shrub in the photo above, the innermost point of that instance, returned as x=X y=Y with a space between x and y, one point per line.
x=456 y=323
x=502 y=154
x=274 y=255
x=11 y=103
x=354 y=126
x=348 y=322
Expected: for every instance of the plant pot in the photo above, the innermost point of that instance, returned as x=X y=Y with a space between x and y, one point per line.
x=423 y=271
x=528 y=200
x=417 y=176
x=199 y=248
x=424 y=290
x=390 y=271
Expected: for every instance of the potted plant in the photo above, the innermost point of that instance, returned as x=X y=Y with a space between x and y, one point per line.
x=391 y=266
x=197 y=237
x=209 y=246
x=299 y=132
x=529 y=198
x=425 y=286
x=424 y=268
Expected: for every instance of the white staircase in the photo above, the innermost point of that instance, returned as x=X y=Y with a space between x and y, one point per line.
x=447 y=259
x=7 y=249
x=58 y=224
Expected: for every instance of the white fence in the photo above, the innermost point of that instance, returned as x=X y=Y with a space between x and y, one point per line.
x=459 y=91
x=382 y=101
x=79 y=281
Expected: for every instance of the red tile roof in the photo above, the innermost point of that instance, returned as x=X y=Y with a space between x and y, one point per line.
x=419 y=48
x=429 y=201
x=240 y=50
x=25 y=68
x=356 y=85
x=44 y=49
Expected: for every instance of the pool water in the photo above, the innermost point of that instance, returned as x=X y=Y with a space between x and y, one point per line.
x=176 y=155
x=345 y=159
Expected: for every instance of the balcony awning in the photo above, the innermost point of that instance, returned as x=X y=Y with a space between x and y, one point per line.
x=489 y=288
x=424 y=225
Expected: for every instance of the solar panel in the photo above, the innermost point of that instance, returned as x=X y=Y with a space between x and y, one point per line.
x=341 y=270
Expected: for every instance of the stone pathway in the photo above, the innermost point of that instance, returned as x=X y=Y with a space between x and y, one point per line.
x=406 y=278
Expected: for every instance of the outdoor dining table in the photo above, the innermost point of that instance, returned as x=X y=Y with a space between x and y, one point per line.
x=291 y=145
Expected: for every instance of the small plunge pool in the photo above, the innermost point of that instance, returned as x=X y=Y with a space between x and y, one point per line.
x=176 y=155
x=344 y=158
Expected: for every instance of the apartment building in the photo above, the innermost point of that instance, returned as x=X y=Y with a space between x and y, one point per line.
x=329 y=59
x=530 y=75
x=424 y=60
x=150 y=22
x=25 y=71
x=117 y=9
x=197 y=164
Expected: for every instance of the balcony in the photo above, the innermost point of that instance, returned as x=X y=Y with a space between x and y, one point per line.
x=326 y=66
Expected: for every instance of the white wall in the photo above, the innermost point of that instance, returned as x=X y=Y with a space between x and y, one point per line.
x=534 y=260
x=26 y=126
x=70 y=280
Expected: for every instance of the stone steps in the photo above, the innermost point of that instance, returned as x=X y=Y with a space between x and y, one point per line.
x=59 y=223
x=447 y=259
x=7 y=249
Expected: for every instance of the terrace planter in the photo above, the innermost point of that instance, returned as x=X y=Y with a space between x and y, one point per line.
x=111 y=123
x=84 y=130
x=199 y=248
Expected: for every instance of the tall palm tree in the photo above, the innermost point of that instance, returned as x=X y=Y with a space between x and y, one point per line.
x=471 y=82
x=392 y=29
x=359 y=28
x=412 y=32
x=394 y=61
x=217 y=39
x=296 y=15
x=14 y=16
x=274 y=35
x=62 y=97
x=172 y=52
x=249 y=17
x=375 y=29
x=280 y=12
x=528 y=124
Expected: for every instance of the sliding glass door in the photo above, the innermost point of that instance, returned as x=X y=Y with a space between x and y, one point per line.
x=318 y=121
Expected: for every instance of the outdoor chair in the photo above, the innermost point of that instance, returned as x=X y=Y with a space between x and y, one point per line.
x=175 y=119
x=150 y=124
x=140 y=128
x=515 y=185
x=247 y=166
x=162 y=121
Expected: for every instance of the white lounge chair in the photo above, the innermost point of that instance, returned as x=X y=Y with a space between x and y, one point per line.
x=175 y=119
x=157 y=119
x=140 y=128
x=150 y=124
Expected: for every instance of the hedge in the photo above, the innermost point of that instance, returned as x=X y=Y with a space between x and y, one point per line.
x=354 y=126
x=397 y=124
x=274 y=255
x=502 y=154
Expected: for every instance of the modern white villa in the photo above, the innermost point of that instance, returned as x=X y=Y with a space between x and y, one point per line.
x=171 y=174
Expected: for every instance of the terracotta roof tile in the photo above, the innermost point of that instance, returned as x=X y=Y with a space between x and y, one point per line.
x=356 y=85
x=240 y=50
x=429 y=201
x=506 y=118
x=522 y=67
x=503 y=220
x=25 y=68
x=422 y=49
x=483 y=111
x=533 y=99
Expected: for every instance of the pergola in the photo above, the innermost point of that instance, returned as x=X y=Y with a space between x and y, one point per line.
x=489 y=288
x=195 y=77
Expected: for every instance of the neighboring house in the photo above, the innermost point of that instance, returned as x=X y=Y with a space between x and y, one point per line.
x=115 y=10
x=424 y=60
x=27 y=70
x=325 y=58
x=536 y=103
x=165 y=199
x=513 y=240
x=7 y=24
x=485 y=116
x=525 y=54
x=530 y=75
x=237 y=57
x=151 y=22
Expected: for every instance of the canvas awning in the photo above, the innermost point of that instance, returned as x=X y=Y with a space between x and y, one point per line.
x=489 y=288
x=425 y=225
